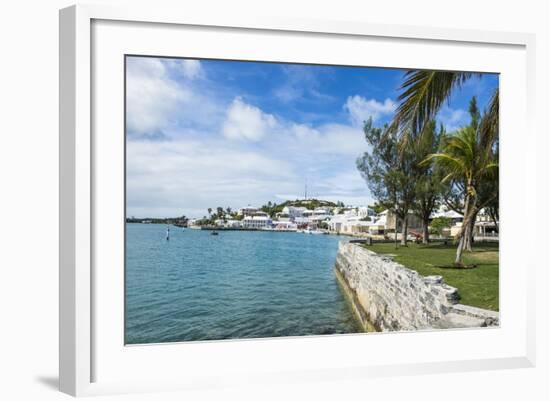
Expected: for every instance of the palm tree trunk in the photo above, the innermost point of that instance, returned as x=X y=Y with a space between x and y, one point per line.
x=467 y=243
x=462 y=233
x=470 y=228
x=458 y=259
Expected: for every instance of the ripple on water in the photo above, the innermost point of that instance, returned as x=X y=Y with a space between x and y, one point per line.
x=239 y=284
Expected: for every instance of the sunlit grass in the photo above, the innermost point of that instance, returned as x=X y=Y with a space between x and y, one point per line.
x=477 y=286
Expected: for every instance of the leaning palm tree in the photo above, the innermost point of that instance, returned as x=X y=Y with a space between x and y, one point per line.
x=423 y=93
x=469 y=157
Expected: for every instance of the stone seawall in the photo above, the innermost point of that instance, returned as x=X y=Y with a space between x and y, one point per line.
x=386 y=296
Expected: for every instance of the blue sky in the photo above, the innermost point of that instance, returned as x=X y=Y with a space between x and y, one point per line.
x=207 y=133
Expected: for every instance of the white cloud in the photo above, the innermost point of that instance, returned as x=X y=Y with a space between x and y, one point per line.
x=151 y=98
x=302 y=83
x=328 y=139
x=191 y=69
x=188 y=176
x=244 y=156
x=162 y=95
x=453 y=119
x=360 y=109
x=244 y=121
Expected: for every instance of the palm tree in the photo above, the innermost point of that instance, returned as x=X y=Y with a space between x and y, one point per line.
x=423 y=92
x=469 y=157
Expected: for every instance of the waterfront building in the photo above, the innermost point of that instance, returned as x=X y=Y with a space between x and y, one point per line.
x=294 y=211
x=256 y=222
x=285 y=225
x=193 y=222
x=282 y=217
x=318 y=214
x=379 y=225
x=364 y=211
x=232 y=223
x=335 y=223
x=348 y=223
x=247 y=211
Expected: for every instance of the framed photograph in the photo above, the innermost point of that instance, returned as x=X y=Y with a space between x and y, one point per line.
x=275 y=200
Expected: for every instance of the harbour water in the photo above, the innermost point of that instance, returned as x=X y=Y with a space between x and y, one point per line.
x=238 y=284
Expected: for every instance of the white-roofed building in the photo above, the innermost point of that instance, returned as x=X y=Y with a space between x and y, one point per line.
x=379 y=225
x=364 y=211
x=247 y=211
x=294 y=211
x=256 y=222
x=285 y=225
x=455 y=218
x=348 y=224
x=233 y=223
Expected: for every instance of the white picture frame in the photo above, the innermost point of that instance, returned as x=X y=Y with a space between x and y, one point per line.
x=82 y=343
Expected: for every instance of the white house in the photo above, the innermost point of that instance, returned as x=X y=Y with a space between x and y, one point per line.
x=285 y=225
x=256 y=222
x=233 y=223
x=294 y=211
x=316 y=215
x=247 y=211
x=364 y=211
x=380 y=223
x=456 y=220
x=348 y=223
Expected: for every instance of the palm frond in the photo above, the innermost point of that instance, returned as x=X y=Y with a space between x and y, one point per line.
x=423 y=94
x=490 y=122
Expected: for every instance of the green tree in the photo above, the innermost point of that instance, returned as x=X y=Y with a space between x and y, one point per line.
x=468 y=157
x=377 y=207
x=422 y=95
x=486 y=128
x=389 y=173
x=428 y=186
x=440 y=223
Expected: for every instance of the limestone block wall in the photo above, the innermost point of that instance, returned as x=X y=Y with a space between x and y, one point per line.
x=387 y=296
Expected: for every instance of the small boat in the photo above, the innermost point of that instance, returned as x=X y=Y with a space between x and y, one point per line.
x=214 y=233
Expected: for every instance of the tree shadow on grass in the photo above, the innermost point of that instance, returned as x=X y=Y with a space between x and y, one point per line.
x=458 y=267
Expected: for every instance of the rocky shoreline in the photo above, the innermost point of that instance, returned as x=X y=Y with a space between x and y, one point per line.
x=386 y=296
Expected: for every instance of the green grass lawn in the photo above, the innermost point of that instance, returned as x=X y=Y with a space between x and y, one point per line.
x=477 y=286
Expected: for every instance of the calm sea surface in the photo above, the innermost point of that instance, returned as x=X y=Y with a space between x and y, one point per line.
x=239 y=284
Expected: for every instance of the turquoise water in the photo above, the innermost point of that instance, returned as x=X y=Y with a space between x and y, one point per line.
x=239 y=284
